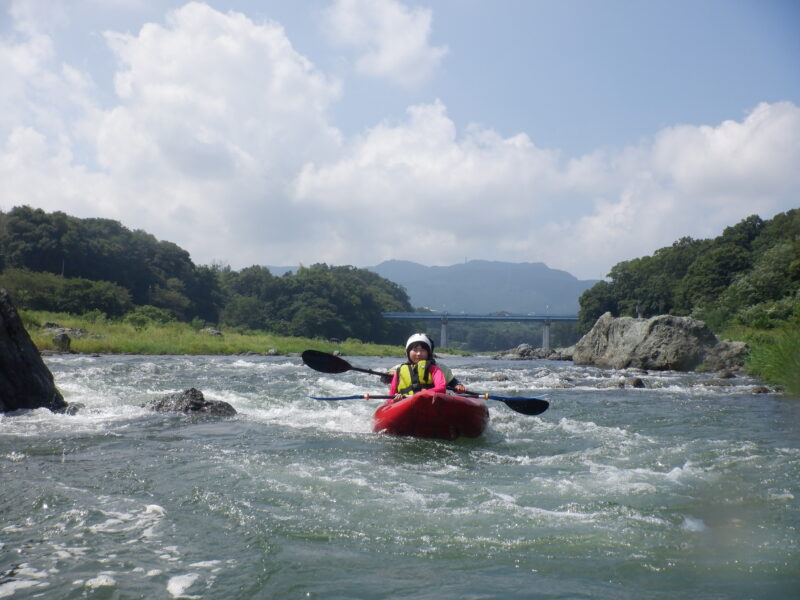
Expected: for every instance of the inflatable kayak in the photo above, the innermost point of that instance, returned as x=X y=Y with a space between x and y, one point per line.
x=429 y=414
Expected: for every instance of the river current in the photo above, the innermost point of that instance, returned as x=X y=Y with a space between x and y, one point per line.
x=689 y=488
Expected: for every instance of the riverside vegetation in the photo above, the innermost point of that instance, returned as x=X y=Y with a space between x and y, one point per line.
x=101 y=335
x=136 y=294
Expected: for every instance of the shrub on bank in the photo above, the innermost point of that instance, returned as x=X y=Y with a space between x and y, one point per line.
x=776 y=358
x=121 y=336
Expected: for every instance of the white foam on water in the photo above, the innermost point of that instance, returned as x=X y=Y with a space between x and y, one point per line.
x=510 y=503
x=178 y=584
x=238 y=401
x=693 y=524
x=25 y=576
x=14 y=456
x=10 y=588
x=593 y=430
x=333 y=416
x=206 y=564
x=495 y=458
x=102 y=580
x=782 y=495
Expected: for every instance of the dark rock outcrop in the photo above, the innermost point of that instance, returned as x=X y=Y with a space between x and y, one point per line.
x=660 y=343
x=25 y=381
x=190 y=401
x=528 y=352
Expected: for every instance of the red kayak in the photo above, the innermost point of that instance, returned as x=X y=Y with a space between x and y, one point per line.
x=429 y=414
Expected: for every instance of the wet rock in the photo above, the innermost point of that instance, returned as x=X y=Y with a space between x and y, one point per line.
x=660 y=343
x=25 y=381
x=635 y=382
x=528 y=352
x=73 y=408
x=759 y=389
x=499 y=377
x=610 y=384
x=524 y=350
x=62 y=342
x=726 y=356
x=190 y=401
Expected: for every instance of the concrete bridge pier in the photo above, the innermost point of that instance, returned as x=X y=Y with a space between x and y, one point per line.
x=443 y=336
x=546 y=335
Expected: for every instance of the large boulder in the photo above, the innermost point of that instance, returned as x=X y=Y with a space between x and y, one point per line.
x=190 y=401
x=25 y=381
x=664 y=342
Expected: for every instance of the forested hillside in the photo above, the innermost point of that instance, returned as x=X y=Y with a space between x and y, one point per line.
x=55 y=262
x=749 y=275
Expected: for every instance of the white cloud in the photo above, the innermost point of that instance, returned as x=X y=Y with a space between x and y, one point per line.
x=694 y=181
x=37 y=16
x=444 y=197
x=216 y=92
x=220 y=141
x=393 y=40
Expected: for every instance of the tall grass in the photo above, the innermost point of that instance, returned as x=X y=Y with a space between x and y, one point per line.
x=775 y=356
x=106 y=336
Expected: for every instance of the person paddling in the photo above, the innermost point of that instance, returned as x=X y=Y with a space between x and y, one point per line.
x=452 y=382
x=419 y=372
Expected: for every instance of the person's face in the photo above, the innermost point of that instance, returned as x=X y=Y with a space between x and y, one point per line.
x=417 y=353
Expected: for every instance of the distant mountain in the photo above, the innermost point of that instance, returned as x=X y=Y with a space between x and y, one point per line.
x=482 y=286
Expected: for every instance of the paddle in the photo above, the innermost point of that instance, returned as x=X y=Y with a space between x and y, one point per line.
x=535 y=405
x=527 y=406
x=328 y=363
x=355 y=397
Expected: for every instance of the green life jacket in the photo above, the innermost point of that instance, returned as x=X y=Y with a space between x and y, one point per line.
x=413 y=378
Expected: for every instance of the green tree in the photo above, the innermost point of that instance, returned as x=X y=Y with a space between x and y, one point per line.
x=710 y=274
x=46 y=291
x=597 y=300
x=246 y=311
x=153 y=272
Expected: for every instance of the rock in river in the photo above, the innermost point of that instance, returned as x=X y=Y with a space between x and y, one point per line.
x=25 y=381
x=663 y=342
x=190 y=401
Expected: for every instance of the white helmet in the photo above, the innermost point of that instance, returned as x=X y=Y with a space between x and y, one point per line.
x=418 y=338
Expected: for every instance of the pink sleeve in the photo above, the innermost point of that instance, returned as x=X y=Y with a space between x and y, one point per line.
x=393 y=387
x=439 y=381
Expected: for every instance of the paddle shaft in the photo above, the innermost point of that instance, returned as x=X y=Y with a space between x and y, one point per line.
x=370 y=371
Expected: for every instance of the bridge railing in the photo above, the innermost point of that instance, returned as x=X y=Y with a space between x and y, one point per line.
x=497 y=317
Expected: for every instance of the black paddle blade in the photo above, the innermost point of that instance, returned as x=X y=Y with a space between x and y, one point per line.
x=324 y=362
x=530 y=406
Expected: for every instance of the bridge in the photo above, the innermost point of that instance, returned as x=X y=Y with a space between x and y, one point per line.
x=498 y=317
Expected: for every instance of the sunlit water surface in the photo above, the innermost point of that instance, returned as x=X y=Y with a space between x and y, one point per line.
x=679 y=490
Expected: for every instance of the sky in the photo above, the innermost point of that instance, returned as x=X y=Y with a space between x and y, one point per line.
x=578 y=133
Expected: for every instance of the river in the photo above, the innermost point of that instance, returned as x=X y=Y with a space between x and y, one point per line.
x=679 y=490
